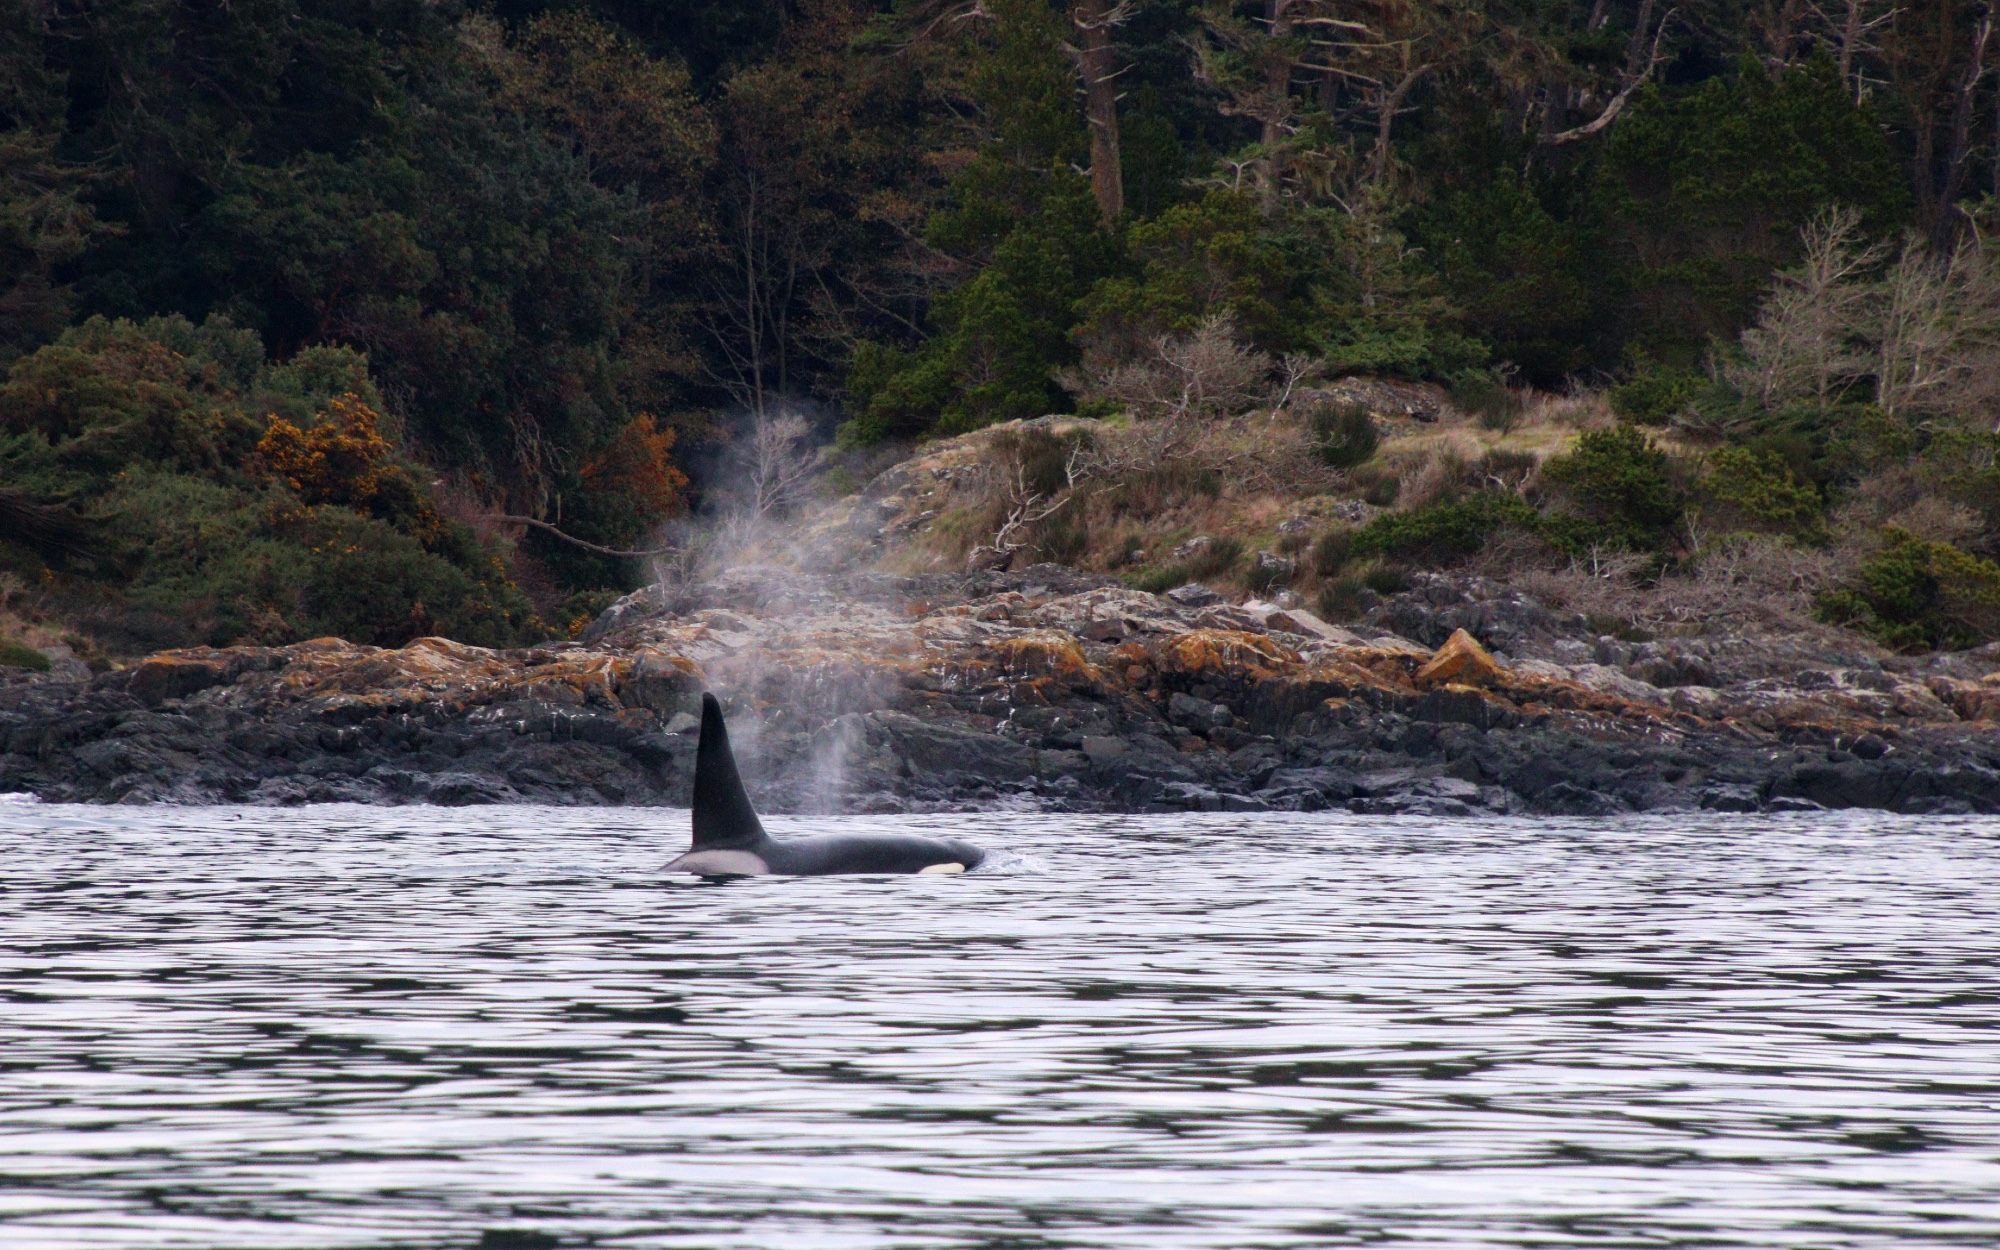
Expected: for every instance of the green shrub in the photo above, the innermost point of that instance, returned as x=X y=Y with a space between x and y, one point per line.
x=1044 y=457
x=229 y=565
x=1758 y=490
x=1655 y=396
x=1344 y=598
x=1919 y=595
x=1386 y=579
x=203 y=513
x=1207 y=256
x=1062 y=537
x=1262 y=578
x=1379 y=484
x=1358 y=586
x=1344 y=435
x=1477 y=393
x=1505 y=465
x=19 y=655
x=1443 y=532
x=1620 y=483
x=1331 y=550
x=1216 y=559
x=583 y=607
x=1159 y=581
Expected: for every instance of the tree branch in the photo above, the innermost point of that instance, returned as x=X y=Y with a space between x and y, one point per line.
x=574 y=541
x=1618 y=102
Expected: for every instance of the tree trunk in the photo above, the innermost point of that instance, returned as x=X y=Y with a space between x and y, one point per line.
x=1944 y=230
x=1093 y=19
x=1850 y=40
x=1277 y=86
x=1386 y=122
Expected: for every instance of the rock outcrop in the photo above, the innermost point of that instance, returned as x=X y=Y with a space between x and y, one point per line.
x=1043 y=687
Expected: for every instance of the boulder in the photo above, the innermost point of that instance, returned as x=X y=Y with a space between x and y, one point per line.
x=1460 y=661
x=1607 y=680
x=1272 y=568
x=1193 y=595
x=164 y=677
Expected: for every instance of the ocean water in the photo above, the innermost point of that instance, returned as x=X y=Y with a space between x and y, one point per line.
x=345 y=1026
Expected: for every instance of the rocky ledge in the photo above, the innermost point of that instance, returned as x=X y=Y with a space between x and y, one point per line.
x=1040 y=687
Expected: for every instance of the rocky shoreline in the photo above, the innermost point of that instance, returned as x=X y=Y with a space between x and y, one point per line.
x=1042 y=688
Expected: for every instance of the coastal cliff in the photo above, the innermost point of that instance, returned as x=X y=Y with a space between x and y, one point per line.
x=1041 y=687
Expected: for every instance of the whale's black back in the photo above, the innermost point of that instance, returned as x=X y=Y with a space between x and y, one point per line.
x=723 y=816
x=724 y=821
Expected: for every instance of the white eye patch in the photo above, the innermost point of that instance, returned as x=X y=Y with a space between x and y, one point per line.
x=941 y=870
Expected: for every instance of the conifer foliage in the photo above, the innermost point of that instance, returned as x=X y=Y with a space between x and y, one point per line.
x=404 y=262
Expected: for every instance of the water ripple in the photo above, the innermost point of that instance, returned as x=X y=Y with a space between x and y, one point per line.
x=346 y=1026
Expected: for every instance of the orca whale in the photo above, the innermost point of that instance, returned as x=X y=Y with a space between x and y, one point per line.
x=730 y=841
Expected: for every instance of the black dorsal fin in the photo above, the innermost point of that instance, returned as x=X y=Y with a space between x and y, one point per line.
x=722 y=812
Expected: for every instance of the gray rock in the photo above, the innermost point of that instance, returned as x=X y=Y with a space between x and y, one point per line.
x=1060 y=763
x=1100 y=750
x=1273 y=568
x=1186 y=796
x=1187 y=711
x=642 y=604
x=1568 y=799
x=1331 y=784
x=1572 y=651
x=1193 y=595
x=1730 y=798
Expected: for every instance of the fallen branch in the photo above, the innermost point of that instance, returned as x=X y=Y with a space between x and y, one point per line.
x=574 y=541
x=1635 y=79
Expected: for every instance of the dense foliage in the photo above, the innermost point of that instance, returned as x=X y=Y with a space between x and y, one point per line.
x=188 y=492
x=278 y=275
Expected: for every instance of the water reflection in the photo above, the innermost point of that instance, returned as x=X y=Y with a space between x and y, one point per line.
x=347 y=1026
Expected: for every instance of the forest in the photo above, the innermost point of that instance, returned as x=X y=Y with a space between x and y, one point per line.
x=385 y=318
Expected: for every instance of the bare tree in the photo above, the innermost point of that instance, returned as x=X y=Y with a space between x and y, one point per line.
x=1853 y=30
x=1207 y=373
x=777 y=464
x=1298 y=368
x=1025 y=507
x=1926 y=332
x=1937 y=343
x=1806 y=343
x=1958 y=145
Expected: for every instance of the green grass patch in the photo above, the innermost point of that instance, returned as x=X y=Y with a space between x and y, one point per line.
x=19 y=655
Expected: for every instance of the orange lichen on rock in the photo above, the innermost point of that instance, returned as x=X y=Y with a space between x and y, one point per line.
x=1045 y=654
x=1970 y=700
x=1226 y=653
x=1463 y=661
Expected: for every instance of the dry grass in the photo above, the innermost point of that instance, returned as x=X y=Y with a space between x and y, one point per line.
x=1143 y=487
x=1147 y=486
x=1545 y=429
x=1760 y=584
